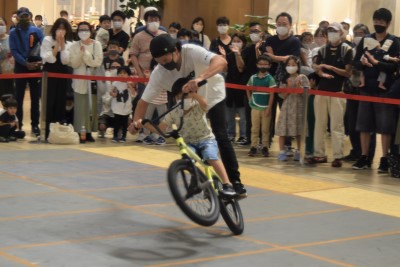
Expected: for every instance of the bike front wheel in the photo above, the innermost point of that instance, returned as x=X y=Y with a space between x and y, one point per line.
x=230 y=211
x=197 y=199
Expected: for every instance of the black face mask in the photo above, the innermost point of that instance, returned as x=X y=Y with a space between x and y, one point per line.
x=170 y=65
x=263 y=70
x=24 y=23
x=379 y=28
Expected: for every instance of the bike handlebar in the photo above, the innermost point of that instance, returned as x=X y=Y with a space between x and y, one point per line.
x=169 y=134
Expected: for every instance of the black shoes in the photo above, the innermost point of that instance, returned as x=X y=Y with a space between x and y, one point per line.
x=240 y=189
x=362 y=163
x=383 y=165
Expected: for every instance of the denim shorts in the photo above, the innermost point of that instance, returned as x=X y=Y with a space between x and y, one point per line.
x=207 y=149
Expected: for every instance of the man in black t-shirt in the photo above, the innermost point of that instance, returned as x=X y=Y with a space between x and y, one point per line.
x=333 y=64
x=116 y=33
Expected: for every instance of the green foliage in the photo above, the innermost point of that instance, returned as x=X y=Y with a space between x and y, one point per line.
x=263 y=20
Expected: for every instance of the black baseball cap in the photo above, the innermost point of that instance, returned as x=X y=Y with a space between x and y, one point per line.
x=23 y=11
x=161 y=45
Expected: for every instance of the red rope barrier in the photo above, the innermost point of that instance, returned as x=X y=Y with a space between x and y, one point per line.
x=228 y=85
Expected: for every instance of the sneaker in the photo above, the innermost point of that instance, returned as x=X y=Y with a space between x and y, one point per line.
x=252 y=152
x=240 y=189
x=227 y=191
x=289 y=151
x=122 y=140
x=115 y=140
x=35 y=131
x=350 y=157
x=282 y=156
x=148 y=140
x=383 y=165
x=160 y=141
x=362 y=163
x=241 y=140
x=296 y=156
x=3 y=139
x=337 y=163
x=140 y=138
x=247 y=143
x=320 y=159
x=265 y=152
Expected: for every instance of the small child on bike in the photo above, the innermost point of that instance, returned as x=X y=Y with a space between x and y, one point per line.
x=195 y=131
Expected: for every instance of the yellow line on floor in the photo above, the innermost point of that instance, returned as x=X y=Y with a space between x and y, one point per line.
x=265 y=179
x=12 y=258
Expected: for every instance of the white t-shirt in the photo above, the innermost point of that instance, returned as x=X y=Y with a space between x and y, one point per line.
x=195 y=60
x=122 y=103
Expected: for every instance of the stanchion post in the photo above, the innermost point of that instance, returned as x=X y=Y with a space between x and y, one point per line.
x=43 y=106
x=304 y=133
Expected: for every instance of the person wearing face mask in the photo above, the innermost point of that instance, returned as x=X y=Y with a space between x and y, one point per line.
x=235 y=98
x=196 y=64
x=250 y=54
x=25 y=41
x=55 y=54
x=224 y=40
x=140 y=55
x=39 y=22
x=290 y=121
x=117 y=33
x=346 y=33
x=279 y=47
x=6 y=61
x=143 y=27
x=376 y=117
x=198 y=26
x=333 y=64
x=173 y=29
x=306 y=39
x=86 y=56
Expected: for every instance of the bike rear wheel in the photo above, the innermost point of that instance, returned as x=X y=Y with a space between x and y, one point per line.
x=230 y=211
x=200 y=204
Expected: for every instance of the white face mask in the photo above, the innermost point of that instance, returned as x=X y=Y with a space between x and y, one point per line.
x=187 y=103
x=333 y=37
x=239 y=45
x=153 y=26
x=255 y=37
x=117 y=24
x=357 y=40
x=173 y=35
x=3 y=29
x=223 y=29
x=198 y=28
x=84 y=35
x=282 y=31
x=291 y=69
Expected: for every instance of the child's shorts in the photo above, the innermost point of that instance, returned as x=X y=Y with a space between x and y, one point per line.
x=207 y=149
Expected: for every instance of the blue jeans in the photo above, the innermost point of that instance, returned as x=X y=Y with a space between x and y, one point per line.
x=231 y=119
x=207 y=149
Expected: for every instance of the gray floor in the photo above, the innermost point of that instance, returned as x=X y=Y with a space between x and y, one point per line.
x=66 y=207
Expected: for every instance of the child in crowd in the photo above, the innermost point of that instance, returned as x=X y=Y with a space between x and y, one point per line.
x=106 y=118
x=290 y=121
x=261 y=105
x=112 y=55
x=102 y=35
x=9 y=122
x=121 y=104
x=195 y=130
x=159 y=105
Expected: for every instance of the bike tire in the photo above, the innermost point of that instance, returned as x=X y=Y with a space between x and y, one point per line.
x=206 y=213
x=231 y=212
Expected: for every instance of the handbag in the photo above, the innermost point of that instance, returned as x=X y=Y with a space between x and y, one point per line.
x=63 y=134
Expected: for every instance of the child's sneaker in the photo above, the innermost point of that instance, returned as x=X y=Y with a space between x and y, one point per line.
x=115 y=140
x=265 y=152
x=160 y=141
x=289 y=151
x=122 y=140
x=296 y=155
x=252 y=152
x=282 y=156
x=148 y=140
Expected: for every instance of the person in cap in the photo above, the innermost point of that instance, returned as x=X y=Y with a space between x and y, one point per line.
x=333 y=65
x=196 y=64
x=25 y=41
x=143 y=27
